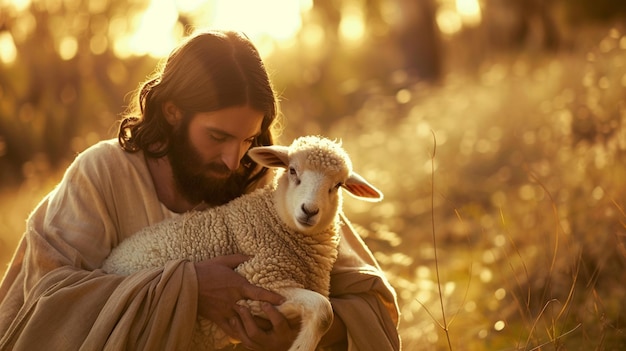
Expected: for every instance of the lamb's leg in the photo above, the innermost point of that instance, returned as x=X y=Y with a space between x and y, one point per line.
x=315 y=312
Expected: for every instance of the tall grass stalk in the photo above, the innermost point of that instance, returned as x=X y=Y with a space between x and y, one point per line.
x=444 y=325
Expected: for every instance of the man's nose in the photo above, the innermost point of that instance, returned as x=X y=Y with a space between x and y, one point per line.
x=231 y=156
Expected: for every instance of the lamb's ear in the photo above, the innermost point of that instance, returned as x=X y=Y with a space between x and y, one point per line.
x=358 y=187
x=273 y=156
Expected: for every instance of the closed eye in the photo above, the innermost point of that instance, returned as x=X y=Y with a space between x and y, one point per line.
x=217 y=137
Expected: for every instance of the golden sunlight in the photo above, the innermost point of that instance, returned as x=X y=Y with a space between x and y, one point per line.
x=156 y=31
x=352 y=25
x=18 y=5
x=452 y=17
x=68 y=47
x=469 y=10
x=8 y=52
x=448 y=20
x=153 y=32
x=279 y=19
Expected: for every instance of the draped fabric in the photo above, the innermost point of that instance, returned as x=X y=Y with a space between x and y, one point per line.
x=55 y=297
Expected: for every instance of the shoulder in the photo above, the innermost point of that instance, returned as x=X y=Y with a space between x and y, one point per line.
x=102 y=150
x=106 y=165
x=107 y=156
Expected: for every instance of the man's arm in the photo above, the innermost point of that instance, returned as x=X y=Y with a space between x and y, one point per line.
x=55 y=271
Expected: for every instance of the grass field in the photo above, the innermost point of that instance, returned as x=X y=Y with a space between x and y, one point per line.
x=516 y=240
x=526 y=205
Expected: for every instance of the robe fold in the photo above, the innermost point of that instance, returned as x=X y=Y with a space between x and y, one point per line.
x=54 y=296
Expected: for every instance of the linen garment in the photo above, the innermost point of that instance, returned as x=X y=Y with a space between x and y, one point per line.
x=55 y=297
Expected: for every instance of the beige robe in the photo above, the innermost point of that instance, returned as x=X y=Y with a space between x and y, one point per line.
x=55 y=297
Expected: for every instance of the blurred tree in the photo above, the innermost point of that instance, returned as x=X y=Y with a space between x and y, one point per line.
x=594 y=10
x=64 y=84
x=417 y=36
x=365 y=45
x=515 y=24
x=322 y=76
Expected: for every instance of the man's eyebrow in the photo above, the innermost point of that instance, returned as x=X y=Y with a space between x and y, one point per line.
x=218 y=131
x=224 y=133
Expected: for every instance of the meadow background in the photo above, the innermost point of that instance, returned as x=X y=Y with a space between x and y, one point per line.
x=496 y=130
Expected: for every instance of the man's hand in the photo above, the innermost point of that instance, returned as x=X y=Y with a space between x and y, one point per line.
x=219 y=289
x=277 y=334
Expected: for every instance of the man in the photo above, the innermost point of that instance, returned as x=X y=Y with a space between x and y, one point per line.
x=183 y=147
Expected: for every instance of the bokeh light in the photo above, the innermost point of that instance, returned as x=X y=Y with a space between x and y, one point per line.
x=8 y=51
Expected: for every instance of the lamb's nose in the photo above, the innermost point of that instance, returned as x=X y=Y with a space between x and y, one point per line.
x=310 y=212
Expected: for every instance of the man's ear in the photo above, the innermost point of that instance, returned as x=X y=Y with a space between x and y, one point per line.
x=172 y=113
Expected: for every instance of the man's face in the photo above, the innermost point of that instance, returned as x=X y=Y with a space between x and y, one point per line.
x=207 y=148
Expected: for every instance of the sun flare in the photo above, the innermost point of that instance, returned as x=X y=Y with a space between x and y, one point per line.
x=469 y=10
x=267 y=23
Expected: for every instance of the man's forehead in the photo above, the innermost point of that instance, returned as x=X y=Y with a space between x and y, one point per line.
x=236 y=122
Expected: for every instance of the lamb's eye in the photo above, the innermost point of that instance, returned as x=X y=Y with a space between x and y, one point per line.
x=294 y=175
x=335 y=187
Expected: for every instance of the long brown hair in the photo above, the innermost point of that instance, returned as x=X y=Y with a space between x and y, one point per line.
x=209 y=71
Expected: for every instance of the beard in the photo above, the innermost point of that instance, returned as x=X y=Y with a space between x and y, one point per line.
x=190 y=173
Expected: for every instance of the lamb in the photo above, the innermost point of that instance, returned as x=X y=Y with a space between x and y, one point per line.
x=290 y=228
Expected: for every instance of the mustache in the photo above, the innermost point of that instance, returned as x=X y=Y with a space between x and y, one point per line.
x=218 y=168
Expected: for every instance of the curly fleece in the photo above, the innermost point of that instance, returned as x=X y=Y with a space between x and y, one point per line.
x=284 y=258
x=322 y=153
x=250 y=225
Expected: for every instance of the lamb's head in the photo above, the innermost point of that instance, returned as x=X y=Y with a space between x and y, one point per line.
x=307 y=191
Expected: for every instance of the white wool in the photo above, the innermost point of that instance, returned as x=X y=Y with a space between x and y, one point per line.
x=254 y=225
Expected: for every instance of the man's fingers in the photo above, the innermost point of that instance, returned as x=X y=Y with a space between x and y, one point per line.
x=246 y=318
x=252 y=292
x=279 y=337
x=248 y=291
x=247 y=328
x=276 y=318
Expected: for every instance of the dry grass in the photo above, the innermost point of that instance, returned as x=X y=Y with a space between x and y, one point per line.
x=528 y=211
x=16 y=204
